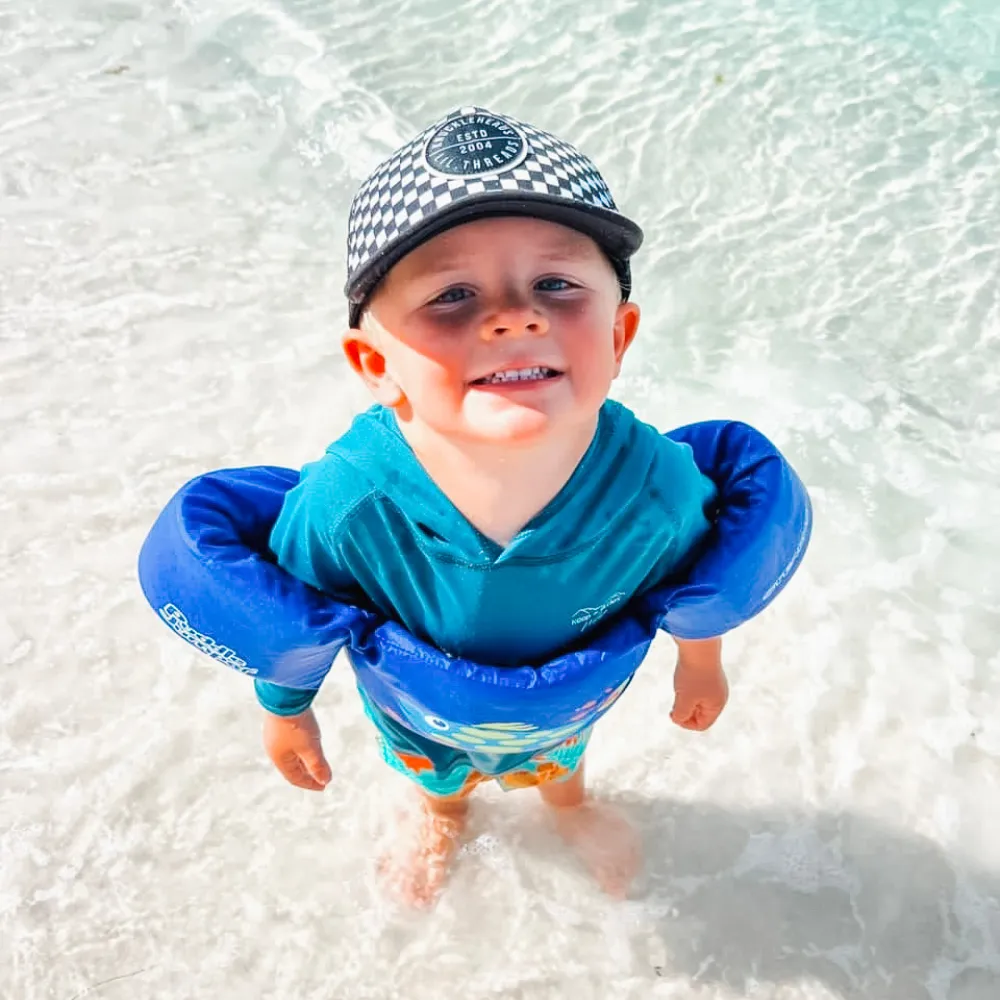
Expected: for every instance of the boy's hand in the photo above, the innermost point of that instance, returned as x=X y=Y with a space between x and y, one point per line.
x=700 y=687
x=293 y=744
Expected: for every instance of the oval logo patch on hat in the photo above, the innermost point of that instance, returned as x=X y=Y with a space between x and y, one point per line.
x=475 y=145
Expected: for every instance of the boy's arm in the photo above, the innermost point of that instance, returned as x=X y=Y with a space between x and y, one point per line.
x=283 y=701
x=305 y=543
x=700 y=687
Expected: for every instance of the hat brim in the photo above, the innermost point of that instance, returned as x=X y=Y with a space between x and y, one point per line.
x=618 y=236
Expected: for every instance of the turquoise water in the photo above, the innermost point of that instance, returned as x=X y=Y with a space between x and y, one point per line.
x=820 y=187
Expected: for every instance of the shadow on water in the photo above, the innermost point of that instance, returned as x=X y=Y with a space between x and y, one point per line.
x=836 y=899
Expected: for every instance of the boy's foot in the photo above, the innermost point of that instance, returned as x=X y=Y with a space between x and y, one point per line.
x=416 y=871
x=604 y=841
x=599 y=834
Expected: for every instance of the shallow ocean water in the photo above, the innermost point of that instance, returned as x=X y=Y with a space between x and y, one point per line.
x=820 y=188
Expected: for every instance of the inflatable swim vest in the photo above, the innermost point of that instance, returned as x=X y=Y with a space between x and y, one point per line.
x=206 y=569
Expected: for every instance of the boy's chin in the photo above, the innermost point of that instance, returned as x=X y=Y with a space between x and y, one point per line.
x=511 y=425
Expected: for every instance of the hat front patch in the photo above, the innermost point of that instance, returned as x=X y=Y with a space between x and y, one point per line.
x=474 y=145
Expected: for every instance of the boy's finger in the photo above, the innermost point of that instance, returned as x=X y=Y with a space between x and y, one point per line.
x=709 y=717
x=692 y=716
x=683 y=719
x=689 y=723
x=295 y=774
x=705 y=716
x=681 y=711
x=318 y=768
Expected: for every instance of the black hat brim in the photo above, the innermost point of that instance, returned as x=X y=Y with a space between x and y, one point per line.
x=618 y=236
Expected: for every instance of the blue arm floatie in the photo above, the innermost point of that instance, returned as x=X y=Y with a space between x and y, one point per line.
x=206 y=569
x=761 y=533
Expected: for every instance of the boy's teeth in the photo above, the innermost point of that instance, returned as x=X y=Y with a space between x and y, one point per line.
x=518 y=375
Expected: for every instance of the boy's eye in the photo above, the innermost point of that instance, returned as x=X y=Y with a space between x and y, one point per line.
x=451 y=295
x=552 y=285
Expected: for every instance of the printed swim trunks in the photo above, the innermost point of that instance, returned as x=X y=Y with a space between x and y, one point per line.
x=461 y=776
x=447 y=771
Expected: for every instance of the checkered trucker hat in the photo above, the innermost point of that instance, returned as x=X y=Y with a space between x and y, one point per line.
x=471 y=165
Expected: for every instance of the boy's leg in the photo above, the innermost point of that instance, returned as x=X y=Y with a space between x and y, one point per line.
x=419 y=866
x=568 y=793
x=598 y=833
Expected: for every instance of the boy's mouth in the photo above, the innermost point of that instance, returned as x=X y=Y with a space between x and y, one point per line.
x=538 y=373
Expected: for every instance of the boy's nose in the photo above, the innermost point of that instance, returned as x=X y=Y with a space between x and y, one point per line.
x=515 y=320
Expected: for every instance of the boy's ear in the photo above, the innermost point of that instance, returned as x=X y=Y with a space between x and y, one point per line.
x=368 y=361
x=626 y=327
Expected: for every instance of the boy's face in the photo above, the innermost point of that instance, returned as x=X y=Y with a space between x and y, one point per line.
x=497 y=331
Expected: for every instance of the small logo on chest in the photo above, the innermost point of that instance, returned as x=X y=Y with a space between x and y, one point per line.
x=586 y=617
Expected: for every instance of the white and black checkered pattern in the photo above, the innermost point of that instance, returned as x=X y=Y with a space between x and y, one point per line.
x=406 y=200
